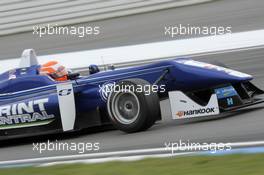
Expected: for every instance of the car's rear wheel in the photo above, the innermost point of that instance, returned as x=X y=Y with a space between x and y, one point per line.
x=131 y=110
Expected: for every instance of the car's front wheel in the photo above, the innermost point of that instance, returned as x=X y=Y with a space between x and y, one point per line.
x=133 y=110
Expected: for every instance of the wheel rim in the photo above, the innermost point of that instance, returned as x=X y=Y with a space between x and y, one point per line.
x=125 y=107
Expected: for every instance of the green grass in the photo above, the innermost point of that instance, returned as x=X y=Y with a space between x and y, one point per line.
x=248 y=164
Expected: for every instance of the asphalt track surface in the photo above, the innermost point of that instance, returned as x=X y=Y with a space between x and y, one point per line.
x=245 y=125
x=241 y=15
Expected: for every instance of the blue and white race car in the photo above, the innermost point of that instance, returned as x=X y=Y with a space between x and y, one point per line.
x=34 y=104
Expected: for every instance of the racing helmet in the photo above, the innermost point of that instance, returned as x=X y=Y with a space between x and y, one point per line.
x=54 y=70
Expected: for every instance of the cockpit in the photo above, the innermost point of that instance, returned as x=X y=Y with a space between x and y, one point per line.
x=30 y=74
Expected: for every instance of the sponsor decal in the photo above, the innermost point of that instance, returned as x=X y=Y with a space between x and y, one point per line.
x=105 y=89
x=184 y=107
x=12 y=74
x=180 y=113
x=230 y=101
x=225 y=92
x=190 y=113
x=23 y=71
x=65 y=92
x=25 y=114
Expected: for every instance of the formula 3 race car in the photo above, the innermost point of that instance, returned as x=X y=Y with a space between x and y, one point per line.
x=34 y=104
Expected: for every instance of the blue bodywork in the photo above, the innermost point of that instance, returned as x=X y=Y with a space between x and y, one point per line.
x=24 y=85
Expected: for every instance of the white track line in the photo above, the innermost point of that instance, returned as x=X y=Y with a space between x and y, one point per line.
x=128 y=64
x=142 y=153
x=110 y=159
x=150 y=51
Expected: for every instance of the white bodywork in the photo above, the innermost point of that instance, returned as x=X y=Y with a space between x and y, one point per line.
x=184 y=107
x=67 y=105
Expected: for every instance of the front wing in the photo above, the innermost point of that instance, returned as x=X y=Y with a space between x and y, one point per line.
x=223 y=99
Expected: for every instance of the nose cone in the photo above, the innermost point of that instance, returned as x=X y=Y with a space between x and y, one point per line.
x=214 y=68
x=203 y=75
x=228 y=74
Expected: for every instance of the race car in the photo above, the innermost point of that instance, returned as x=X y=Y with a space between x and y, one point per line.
x=129 y=98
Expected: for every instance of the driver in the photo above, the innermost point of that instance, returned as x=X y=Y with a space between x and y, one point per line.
x=54 y=70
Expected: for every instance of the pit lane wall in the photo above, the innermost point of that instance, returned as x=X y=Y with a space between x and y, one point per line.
x=21 y=15
x=145 y=53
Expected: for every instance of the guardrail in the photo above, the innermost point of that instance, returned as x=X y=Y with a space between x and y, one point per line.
x=146 y=53
x=21 y=15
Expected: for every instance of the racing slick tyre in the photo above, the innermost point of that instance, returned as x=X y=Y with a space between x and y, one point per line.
x=130 y=109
